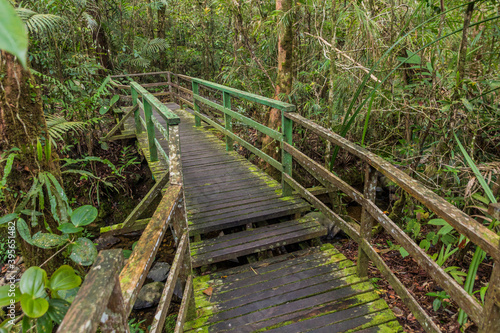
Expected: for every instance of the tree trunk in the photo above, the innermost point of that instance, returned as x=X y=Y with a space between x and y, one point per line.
x=462 y=53
x=161 y=21
x=22 y=123
x=284 y=80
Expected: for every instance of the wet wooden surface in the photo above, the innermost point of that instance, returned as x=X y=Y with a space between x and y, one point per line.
x=314 y=291
x=222 y=189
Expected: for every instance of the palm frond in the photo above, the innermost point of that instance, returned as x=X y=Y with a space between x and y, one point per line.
x=38 y=24
x=58 y=126
x=139 y=62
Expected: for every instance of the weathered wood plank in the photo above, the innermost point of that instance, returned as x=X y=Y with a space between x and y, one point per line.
x=494 y=210
x=259 y=244
x=475 y=231
x=143 y=205
x=491 y=312
x=168 y=291
x=185 y=305
x=92 y=299
x=140 y=74
x=134 y=273
x=118 y=229
x=120 y=123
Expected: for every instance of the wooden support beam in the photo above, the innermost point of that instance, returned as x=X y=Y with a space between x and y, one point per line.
x=135 y=271
x=187 y=309
x=141 y=207
x=120 y=123
x=92 y=299
x=367 y=221
x=166 y=297
x=118 y=229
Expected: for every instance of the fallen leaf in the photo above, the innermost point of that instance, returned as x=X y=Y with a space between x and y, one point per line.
x=208 y=291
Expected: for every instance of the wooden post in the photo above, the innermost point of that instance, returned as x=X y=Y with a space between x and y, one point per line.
x=197 y=120
x=286 y=158
x=114 y=318
x=169 y=80
x=491 y=312
x=366 y=219
x=148 y=111
x=137 y=115
x=228 y=120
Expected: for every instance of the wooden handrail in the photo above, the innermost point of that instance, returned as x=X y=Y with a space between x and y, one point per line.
x=93 y=302
x=475 y=231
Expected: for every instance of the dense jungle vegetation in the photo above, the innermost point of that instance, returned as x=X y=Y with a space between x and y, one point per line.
x=416 y=82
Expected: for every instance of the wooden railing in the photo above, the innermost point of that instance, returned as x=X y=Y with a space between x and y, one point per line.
x=109 y=291
x=487 y=317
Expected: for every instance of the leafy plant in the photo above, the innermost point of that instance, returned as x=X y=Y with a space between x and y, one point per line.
x=441 y=299
x=13 y=38
x=41 y=301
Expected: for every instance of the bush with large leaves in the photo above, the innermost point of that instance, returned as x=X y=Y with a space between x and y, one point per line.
x=43 y=301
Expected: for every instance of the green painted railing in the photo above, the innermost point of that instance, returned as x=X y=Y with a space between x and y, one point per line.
x=147 y=102
x=285 y=166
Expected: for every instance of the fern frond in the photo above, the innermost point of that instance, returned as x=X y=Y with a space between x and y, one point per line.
x=38 y=24
x=65 y=91
x=154 y=46
x=58 y=126
x=91 y=23
x=139 y=62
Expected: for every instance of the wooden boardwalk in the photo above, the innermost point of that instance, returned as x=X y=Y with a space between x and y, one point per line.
x=234 y=209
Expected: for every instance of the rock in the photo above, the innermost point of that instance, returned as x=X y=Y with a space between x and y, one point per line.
x=149 y=295
x=159 y=272
x=103 y=243
x=333 y=229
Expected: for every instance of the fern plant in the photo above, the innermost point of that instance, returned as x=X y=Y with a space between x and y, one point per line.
x=39 y=24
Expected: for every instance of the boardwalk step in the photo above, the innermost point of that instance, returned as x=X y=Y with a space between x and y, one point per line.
x=314 y=292
x=255 y=240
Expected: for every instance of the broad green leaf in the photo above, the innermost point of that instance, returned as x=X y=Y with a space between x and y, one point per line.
x=114 y=99
x=103 y=110
x=6 y=295
x=445 y=229
x=64 y=278
x=13 y=36
x=24 y=231
x=437 y=222
x=33 y=282
x=48 y=241
x=83 y=252
x=68 y=295
x=57 y=309
x=34 y=307
x=84 y=215
x=403 y=252
x=7 y=218
x=69 y=228
x=479 y=197
x=44 y=324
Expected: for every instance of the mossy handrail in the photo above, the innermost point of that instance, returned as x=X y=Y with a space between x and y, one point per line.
x=486 y=317
x=109 y=292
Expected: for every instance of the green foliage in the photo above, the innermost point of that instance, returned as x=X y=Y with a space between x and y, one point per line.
x=13 y=37
x=40 y=301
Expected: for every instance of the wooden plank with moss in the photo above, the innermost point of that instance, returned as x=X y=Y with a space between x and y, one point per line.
x=134 y=273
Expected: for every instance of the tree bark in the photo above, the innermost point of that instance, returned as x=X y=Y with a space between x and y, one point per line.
x=22 y=123
x=284 y=80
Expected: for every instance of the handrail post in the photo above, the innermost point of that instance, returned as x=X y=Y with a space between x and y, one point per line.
x=286 y=158
x=366 y=219
x=197 y=119
x=228 y=121
x=148 y=111
x=491 y=310
x=169 y=80
x=137 y=115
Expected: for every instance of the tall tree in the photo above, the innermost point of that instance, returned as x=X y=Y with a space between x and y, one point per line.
x=285 y=73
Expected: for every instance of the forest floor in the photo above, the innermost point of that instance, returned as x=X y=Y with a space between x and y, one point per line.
x=417 y=281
